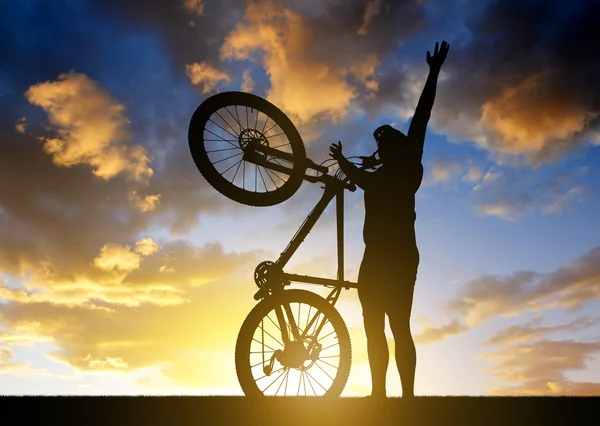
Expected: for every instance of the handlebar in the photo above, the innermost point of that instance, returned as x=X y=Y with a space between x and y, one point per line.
x=253 y=152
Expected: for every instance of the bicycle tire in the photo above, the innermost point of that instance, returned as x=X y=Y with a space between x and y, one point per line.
x=243 y=350
x=197 y=144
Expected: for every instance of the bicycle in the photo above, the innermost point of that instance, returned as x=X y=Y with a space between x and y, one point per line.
x=236 y=131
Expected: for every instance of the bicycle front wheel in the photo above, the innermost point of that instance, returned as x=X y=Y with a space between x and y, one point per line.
x=318 y=364
x=221 y=130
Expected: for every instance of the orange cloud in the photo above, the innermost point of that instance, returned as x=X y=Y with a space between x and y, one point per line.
x=7 y=366
x=146 y=203
x=521 y=333
x=113 y=256
x=530 y=119
x=194 y=6
x=206 y=75
x=21 y=125
x=540 y=367
x=373 y=8
x=300 y=85
x=431 y=334
x=91 y=127
x=247 y=82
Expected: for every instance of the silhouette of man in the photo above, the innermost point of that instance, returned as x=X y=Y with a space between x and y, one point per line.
x=388 y=270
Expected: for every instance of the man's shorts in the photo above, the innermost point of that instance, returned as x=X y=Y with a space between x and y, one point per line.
x=386 y=283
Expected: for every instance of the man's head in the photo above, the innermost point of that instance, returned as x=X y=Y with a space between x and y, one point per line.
x=389 y=142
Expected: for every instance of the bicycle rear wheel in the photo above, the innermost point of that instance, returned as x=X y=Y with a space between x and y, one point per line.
x=318 y=365
x=221 y=130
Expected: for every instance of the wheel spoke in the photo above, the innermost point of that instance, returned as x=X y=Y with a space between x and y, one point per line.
x=310 y=375
x=276 y=325
x=219 y=150
x=269 y=375
x=269 y=334
x=230 y=168
x=287 y=374
x=265 y=124
x=227 y=158
x=226 y=122
x=236 y=171
x=269 y=174
x=237 y=120
x=272 y=350
x=270 y=128
x=263 y=180
x=274 y=381
x=330 y=346
x=320 y=338
x=221 y=138
x=332 y=379
x=278 y=134
x=222 y=128
x=325 y=362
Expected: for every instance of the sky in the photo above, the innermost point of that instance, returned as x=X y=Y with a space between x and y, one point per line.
x=122 y=271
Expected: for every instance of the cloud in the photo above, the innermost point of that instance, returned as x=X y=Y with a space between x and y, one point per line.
x=540 y=367
x=91 y=127
x=300 y=86
x=431 y=333
x=443 y=168
x=5 y=354
x=7 y=366
x=132 y=336
x=524 y=94
x=206 y=75
x=247 y=82
x=530 y=119
x=113 y=256
x=373 y=8
x=21 y=125
x=146 y=246
x=316 y=63
x=522 y=333
x=145 y=204
x=513 y=193
x=484 y=297
x=194 y=6
x=549 y=388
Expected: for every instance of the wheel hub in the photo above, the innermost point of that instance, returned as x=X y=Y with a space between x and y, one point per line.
x=249 y=135
x=294 y=355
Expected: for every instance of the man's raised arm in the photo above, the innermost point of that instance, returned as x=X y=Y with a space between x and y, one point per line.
x=418 y=124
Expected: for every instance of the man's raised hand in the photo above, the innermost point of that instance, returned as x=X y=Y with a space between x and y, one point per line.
x=436 y=60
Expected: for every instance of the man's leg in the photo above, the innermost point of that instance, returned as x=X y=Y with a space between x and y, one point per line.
x=406 y=355
x=377 y=348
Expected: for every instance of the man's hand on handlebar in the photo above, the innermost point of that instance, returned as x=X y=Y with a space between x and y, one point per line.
x=336 y=152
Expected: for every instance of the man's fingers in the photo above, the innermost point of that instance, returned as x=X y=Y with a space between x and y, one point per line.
x=436 y=48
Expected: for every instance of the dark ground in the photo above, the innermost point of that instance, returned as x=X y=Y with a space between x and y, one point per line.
x=175 y=411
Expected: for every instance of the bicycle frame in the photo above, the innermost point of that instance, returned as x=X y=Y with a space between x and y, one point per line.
x=334 y=188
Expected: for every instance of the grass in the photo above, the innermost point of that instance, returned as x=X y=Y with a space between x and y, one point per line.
x=227 y=410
